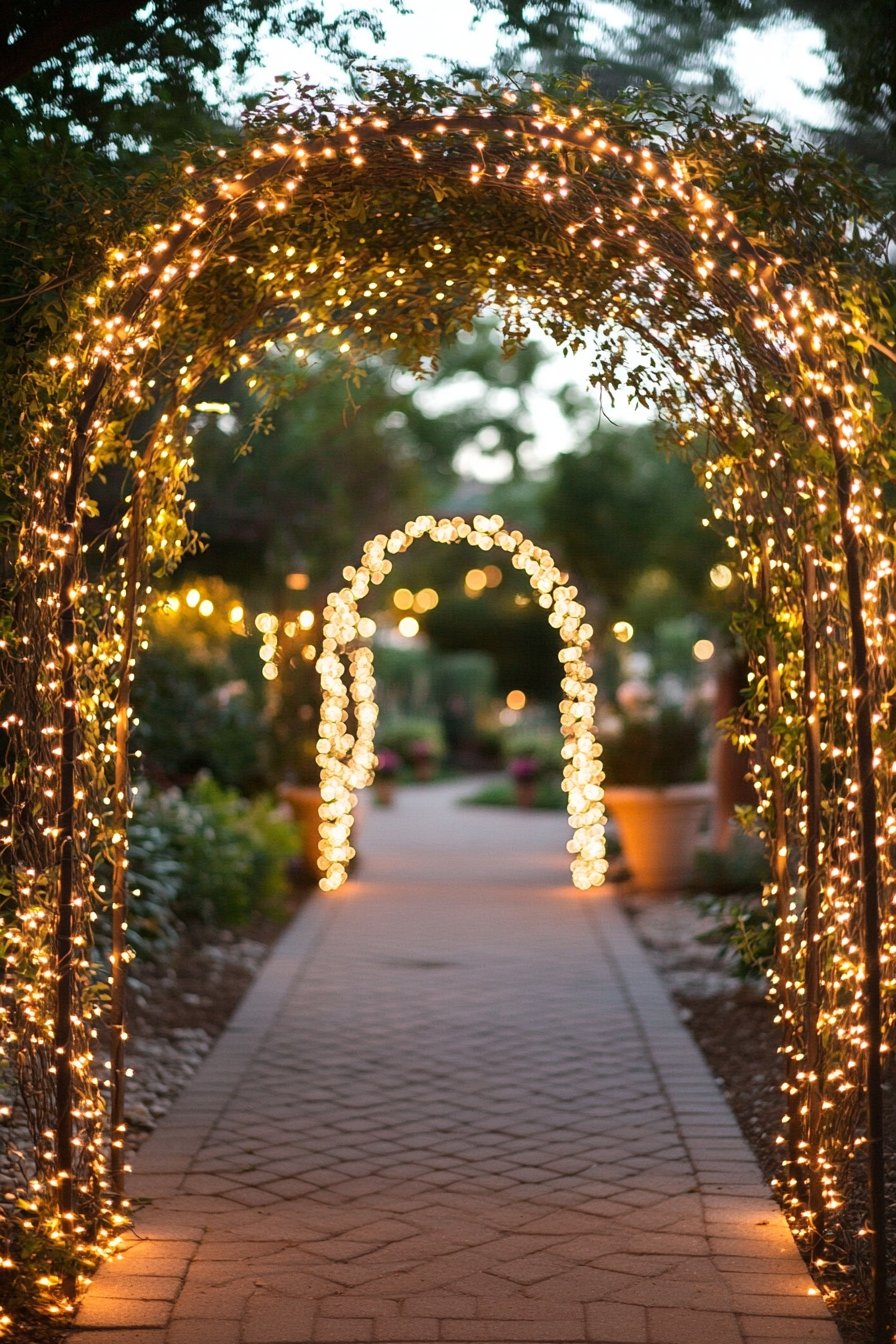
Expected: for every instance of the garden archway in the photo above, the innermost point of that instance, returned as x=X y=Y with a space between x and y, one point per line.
x=746 y=272
x=347 y=759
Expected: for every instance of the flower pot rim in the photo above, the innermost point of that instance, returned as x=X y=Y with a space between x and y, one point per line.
x=699 y=791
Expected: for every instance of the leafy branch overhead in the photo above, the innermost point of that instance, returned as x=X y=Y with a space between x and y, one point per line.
x=753 y=280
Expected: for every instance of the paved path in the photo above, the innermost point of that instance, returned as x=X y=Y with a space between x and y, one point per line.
x=457 y=1105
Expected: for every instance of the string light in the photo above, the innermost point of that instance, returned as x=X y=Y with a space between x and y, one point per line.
x=347 y=759
x=758 y=350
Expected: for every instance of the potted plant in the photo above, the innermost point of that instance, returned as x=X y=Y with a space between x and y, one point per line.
x=423 y=758
x=387 y=764
x=524 y=771
x=656 y=788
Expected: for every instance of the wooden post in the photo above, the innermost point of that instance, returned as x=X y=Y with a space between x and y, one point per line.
x=120 y=812
x=861 y=680
x=812 y=1001
x=782 y=878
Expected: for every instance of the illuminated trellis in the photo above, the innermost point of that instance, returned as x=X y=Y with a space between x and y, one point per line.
x=348 y=714
x=746 y=273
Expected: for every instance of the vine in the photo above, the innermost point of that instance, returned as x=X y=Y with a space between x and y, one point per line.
x=747 y=276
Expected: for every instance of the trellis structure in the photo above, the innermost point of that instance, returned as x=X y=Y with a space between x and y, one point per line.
x=746 y=274
x=348 y=715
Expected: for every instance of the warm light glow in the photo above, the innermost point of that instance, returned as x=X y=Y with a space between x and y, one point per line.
x=206 y=607
x=409 y=626
x=760 y=346
x=426 y=600
x=347 y=759
x=305 y=620
x=403 y=599
x=703 y=650
x=623 y=631
x=516 y=700
x=493 y=576
x=193 y=597
x=721 y=576
x=475 y=580
x=235 y=614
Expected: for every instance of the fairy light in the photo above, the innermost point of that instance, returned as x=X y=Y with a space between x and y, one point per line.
x=346 y=758
x=758 y=351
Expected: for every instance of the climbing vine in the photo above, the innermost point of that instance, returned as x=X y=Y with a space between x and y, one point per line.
x=735 y=282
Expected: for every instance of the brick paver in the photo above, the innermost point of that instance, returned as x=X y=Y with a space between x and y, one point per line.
x=457 y=1105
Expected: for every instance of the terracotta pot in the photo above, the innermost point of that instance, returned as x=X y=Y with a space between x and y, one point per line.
x=305 y=803
x=660 y=829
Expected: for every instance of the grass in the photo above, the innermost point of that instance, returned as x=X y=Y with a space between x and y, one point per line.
x=501 y=793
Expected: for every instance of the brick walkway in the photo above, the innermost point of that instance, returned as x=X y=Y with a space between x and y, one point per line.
x=457 y=1105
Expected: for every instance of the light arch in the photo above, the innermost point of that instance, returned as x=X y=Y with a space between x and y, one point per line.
x=347 y=759
x=751 y=275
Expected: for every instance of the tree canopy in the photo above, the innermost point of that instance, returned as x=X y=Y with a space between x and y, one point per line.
x=129 y=74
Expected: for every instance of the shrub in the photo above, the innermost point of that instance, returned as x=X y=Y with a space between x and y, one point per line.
x=198 y=696
x=203 y=855
x=412 y=738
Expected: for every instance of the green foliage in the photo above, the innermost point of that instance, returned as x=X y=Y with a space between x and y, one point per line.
x=540 y=742
x=656 y=750
x=198 y=701
x=618 y=510
x=365 y=244
x=743 y=928
x=733 y=881
x=410 y=737
x=501 y=793
x=131 y=76
x=210 y=856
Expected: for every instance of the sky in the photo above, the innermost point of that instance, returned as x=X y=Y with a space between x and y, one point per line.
x=774 y=70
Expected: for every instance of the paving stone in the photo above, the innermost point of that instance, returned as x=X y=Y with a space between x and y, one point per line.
x=346 y=1331
x=621 y=1323
x=678 y=1325
x=406 y=1329
x=457 y=1104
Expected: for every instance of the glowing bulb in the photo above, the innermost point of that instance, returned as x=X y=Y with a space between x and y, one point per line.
x=269 y=672
x=403 y=599
x=493 y=576
x=409 y=626
x=266 y=622
x=367 y=627
x=297 y=582
x=703 y=650
x=235 y=614
x=475 y=580
x=206 y=607
x=516 y=700
x=193 y=597
x=305 y=620
x=426 y=600
x=721 y=576
x=623 y=631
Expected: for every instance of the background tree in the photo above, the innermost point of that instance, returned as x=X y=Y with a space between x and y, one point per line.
x=127 y=74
